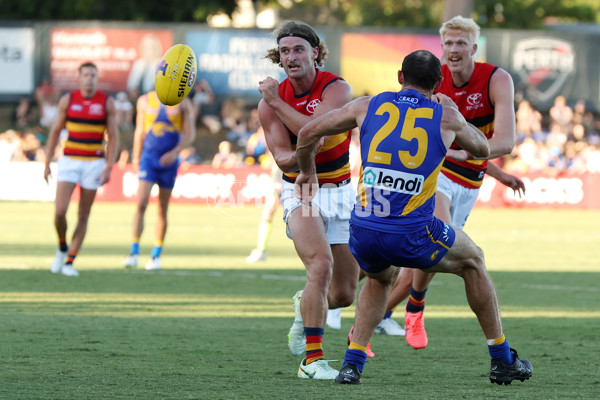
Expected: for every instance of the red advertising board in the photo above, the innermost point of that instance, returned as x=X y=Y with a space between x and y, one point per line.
x=200 y=184
x=562 y=191
x=123 y=56
x=248 y=186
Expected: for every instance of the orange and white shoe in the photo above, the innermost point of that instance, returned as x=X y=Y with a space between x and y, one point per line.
x=370 y=353
x=414 y=325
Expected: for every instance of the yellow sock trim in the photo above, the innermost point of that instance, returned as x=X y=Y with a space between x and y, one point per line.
x=158 y=243
x=356 y=346
x=497 y=341
x=313 y=359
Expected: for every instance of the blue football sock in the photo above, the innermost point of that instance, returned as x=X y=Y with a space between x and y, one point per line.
x=156 y=250
x=356 y=357
x=502 y=352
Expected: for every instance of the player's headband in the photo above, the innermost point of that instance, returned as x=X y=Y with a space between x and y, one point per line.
x=310 y=41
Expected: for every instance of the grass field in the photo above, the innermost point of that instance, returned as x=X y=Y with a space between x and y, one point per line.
x=209 y=326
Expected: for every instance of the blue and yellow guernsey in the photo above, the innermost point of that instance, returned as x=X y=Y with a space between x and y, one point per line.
x=402 y=153
x=162 y=124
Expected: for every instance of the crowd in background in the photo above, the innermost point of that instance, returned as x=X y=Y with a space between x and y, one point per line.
x=566 y=139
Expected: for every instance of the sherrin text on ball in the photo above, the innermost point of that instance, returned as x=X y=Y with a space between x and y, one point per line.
x=175 y=75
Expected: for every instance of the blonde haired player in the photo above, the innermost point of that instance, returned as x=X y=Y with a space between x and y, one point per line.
x=484 y=94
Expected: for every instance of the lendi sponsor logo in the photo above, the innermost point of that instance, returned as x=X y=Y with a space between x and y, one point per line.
x=394 y=181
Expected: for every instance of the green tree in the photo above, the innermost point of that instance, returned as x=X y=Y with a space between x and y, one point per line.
x=123 y=10
x=528 y=14
x=521 y=14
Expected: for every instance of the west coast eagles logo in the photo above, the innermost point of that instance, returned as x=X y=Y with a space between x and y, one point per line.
x=310 y=107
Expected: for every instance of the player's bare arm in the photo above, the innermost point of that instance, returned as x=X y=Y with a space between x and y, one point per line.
x=54 y=133
x=112 y=134
x=334 y=122
x=455 y=128
x=513 y=182
x=138 y=134
x=277 y=138
x=335 y=95
x=502 y=95
x=188 y=136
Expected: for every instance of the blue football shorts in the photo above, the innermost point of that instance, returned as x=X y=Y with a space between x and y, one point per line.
x=376 y=251
x=152 y=171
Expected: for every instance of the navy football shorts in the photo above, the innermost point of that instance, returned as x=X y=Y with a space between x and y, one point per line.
x=376 y=251
x=152 y=171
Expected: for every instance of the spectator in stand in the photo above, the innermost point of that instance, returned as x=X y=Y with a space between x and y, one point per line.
x=19 y=153
x=557 y=162
x=556 y=139
x=592 y=159
x=188 y=156
x=43 y=91
x=529 y=122
x=124 y=109
x=202 y=96
x=574 y=155
x=561 y=115
x=30 y=144
x=21 y=113
x=224 y=157
x=578 y=111
x=256 y=147
x=49 y=110
x=253 y=120
x=141 y=75
x=9 y=144
x=235 y=121
x=585 y=118
x=206 y=108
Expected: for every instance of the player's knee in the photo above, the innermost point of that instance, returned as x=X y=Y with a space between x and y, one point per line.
x=476 y=260
x=344 y=296
x=346 y=300
x=320 y=270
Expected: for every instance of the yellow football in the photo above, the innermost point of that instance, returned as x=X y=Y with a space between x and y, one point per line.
x=175 y=74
